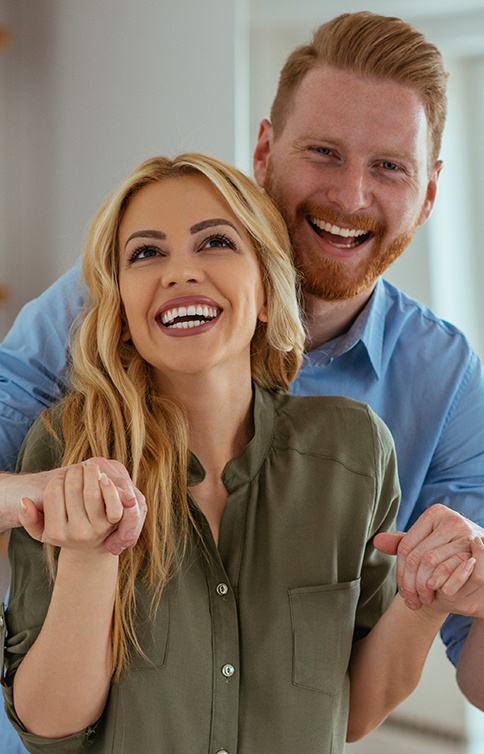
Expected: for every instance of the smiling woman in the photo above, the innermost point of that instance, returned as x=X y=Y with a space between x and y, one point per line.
x=254 y=587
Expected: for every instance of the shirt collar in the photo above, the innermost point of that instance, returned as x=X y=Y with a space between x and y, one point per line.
x=244 y=468
x=367 y=329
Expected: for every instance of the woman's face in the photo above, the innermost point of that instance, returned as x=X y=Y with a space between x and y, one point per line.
x=189 y=279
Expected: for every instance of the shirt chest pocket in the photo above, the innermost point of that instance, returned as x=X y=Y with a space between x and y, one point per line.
x=322 y=621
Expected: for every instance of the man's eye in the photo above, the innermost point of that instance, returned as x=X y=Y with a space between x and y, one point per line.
x=389 y=165
x=323 y=150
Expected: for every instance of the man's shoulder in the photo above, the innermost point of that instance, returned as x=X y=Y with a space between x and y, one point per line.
x=408 y=312
x=413 y=327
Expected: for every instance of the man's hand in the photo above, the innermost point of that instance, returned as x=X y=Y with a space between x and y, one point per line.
x=437 y=544
x=31 y=517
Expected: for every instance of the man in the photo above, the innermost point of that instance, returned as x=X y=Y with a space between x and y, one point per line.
x=351 y=158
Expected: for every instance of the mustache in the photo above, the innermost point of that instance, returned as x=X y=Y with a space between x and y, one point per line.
x=330 y=215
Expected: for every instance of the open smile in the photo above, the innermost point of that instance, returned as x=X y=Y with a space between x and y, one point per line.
x=341 y=238
x=184 y=317
x=187 y=315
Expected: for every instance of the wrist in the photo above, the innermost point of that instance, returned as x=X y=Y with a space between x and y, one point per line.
x=430 y=616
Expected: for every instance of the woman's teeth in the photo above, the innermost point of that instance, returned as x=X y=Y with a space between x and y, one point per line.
x=174 y=317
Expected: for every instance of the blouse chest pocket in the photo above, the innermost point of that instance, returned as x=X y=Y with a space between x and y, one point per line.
x=152 y=632
x=322 y=620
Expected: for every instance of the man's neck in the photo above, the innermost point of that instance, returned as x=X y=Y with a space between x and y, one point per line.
x=325 y=320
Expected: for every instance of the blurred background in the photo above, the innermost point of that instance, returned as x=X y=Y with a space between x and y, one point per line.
x=89 y=89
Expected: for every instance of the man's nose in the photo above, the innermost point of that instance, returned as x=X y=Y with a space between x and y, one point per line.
x=350 y=189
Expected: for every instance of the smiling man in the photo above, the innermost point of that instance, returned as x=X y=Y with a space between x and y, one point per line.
x=351 y=157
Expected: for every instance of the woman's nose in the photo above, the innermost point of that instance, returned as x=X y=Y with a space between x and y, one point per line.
x=181 y=269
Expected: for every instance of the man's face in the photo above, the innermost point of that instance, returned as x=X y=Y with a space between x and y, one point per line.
x=350 y=175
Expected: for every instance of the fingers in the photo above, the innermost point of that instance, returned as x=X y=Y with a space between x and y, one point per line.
x=81 y=506
x=129 y=528
x=444 y=570
x=388 y=541
x=31 y=519
x=112 y=502
x=421 y=566
x=134 y=506
x=438 y=537
x=94 y=496
x=458 y=577
x=115 y=470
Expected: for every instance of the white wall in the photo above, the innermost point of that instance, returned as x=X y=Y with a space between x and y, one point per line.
x=88 y=89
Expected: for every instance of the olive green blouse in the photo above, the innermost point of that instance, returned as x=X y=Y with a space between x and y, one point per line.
x=250 y=646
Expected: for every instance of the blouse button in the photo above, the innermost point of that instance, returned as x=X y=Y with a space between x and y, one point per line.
x=222 y=589
x=228 y=670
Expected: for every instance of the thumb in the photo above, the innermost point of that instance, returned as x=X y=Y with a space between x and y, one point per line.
x=388 y=541
x=31 y=519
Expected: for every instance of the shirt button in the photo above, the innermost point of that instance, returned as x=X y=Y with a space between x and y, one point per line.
x=228 y=670
x=222 y=589
x=222 y=751
x=1 y=621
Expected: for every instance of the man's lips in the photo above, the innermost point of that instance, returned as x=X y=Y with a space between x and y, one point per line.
x=341 y=238
x=187 y=313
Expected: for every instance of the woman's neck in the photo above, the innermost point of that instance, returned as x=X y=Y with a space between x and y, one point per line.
x=220 y=417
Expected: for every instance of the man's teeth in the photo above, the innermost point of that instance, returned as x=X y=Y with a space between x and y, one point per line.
x=206 y=313
x=335 y=230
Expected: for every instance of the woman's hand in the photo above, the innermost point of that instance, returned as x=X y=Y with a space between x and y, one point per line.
x=30 y=512
x=81 y=507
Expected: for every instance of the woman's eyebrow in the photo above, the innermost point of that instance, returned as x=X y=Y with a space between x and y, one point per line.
x=211 y=223
x=146 y=234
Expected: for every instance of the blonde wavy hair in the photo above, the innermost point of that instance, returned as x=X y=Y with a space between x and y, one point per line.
x=115 y=410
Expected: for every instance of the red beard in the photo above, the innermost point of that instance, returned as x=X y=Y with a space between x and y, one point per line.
x=332 y=279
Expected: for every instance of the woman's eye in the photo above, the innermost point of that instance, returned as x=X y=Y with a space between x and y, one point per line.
x=219 y=241
x=143 y=252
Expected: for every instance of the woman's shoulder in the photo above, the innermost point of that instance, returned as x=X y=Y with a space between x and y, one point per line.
x=328 y=422
x=43 y=446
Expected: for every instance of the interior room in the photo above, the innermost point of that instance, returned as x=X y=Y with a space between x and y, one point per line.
x=88 y=90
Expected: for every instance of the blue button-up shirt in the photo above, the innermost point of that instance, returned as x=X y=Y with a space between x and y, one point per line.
x=415 y=370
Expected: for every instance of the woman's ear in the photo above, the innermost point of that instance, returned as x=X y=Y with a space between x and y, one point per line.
x=263 y=315
x=125 y=332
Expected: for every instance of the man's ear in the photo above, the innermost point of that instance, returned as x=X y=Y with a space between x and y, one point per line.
x=262 y=151
x=431 y=194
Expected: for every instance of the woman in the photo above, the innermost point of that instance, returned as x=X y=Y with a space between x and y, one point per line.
x=230 y=626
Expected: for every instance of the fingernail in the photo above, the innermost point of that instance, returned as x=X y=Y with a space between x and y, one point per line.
x=470 y=564
x=23 y=507
x=103 y=480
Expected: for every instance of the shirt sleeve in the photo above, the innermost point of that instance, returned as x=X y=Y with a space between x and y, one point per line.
x=456 y=475
x=29 y=599
x=33 y=360
x=378 y=580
